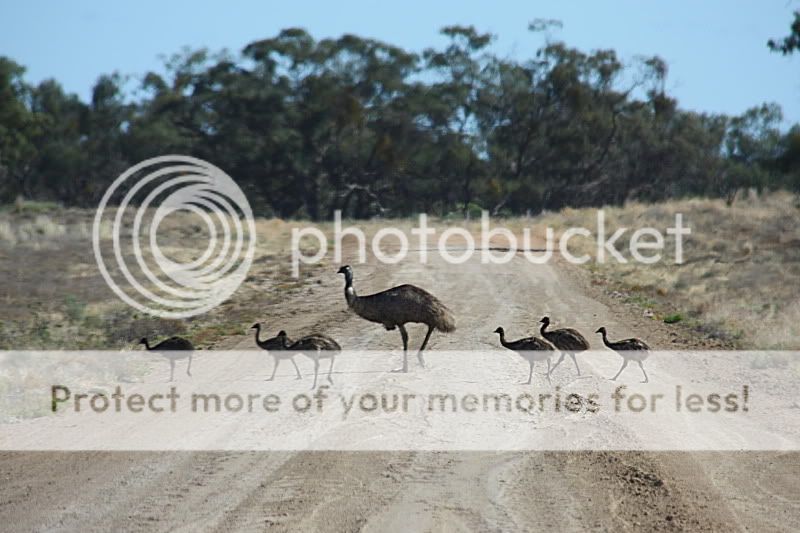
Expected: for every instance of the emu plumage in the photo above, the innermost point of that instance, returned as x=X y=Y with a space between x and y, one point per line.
x=398 y=306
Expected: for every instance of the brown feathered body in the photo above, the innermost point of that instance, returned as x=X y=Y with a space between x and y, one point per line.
x=172 y=349
x=633 y=349
x=315 y=346
x=630 y=350
x=401 y=305
x=530 y=348
x=172 y=344
x=565 y=339
x=628 y=345
x=311 y=343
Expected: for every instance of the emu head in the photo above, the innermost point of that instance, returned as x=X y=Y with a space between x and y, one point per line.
x=143 y=341
x=348 y=273
x=602 y=331
x=545 y=320
x=256 y=326
x=499 y=331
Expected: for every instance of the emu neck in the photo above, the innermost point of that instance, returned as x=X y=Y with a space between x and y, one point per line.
x=258 y=335
x=147 y=345
x=503 y=338
x=349 y=291
x=605 y=339
x=544 y=327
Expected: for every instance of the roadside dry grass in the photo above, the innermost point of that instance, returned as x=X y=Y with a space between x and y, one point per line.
x=739 y=283
x=52 y=295
x=740 y=280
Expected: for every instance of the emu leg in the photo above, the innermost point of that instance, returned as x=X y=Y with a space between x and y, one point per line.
x=404 y=334
x=171 y=369
x=189 y=367
x=275 y=369
x=560 y=358
x=646 y=379
x=424 y=343
x=574 y=360
x=548 y=370
x=297 y=370
x=624 y=364
x=316 y=371
x=330 y=370
x=530 y=374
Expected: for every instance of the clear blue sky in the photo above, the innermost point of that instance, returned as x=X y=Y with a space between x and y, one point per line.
x=716 y=49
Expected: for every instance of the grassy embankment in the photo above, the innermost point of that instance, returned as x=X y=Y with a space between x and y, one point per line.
x=740 y=281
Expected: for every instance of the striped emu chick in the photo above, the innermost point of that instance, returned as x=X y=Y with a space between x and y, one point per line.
x=531 y=349
x=567 y=340
x=316 y=347
x=173 y=349
x=630 y=349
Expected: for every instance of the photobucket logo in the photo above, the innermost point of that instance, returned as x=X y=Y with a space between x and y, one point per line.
x=496 y=245
x=145 y=196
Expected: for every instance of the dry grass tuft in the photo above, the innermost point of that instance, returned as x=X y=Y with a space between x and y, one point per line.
x=741 y=274
x=52 y=295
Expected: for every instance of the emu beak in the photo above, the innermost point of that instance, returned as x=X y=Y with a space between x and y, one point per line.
x=341 y=270
x=599 y=330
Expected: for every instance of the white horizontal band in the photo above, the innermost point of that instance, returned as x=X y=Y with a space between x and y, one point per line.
x=461 y=400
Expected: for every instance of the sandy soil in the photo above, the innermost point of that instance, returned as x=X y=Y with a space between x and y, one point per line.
x=421 y=491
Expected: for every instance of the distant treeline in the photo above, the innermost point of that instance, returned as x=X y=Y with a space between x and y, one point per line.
x=306 y=127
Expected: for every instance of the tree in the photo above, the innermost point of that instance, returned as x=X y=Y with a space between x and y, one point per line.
x=787 y=45
x=19 y=128
x=309 y=126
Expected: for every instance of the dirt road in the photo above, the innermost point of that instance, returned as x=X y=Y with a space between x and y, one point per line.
x=424 y=491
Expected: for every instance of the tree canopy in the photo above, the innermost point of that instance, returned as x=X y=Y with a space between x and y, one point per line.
x=309 y=126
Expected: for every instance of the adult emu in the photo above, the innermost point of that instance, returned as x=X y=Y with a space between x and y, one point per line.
x=172 y=349
x=398 y=306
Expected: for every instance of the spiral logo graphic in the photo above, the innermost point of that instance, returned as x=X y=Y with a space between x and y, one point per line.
x=194 y=193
